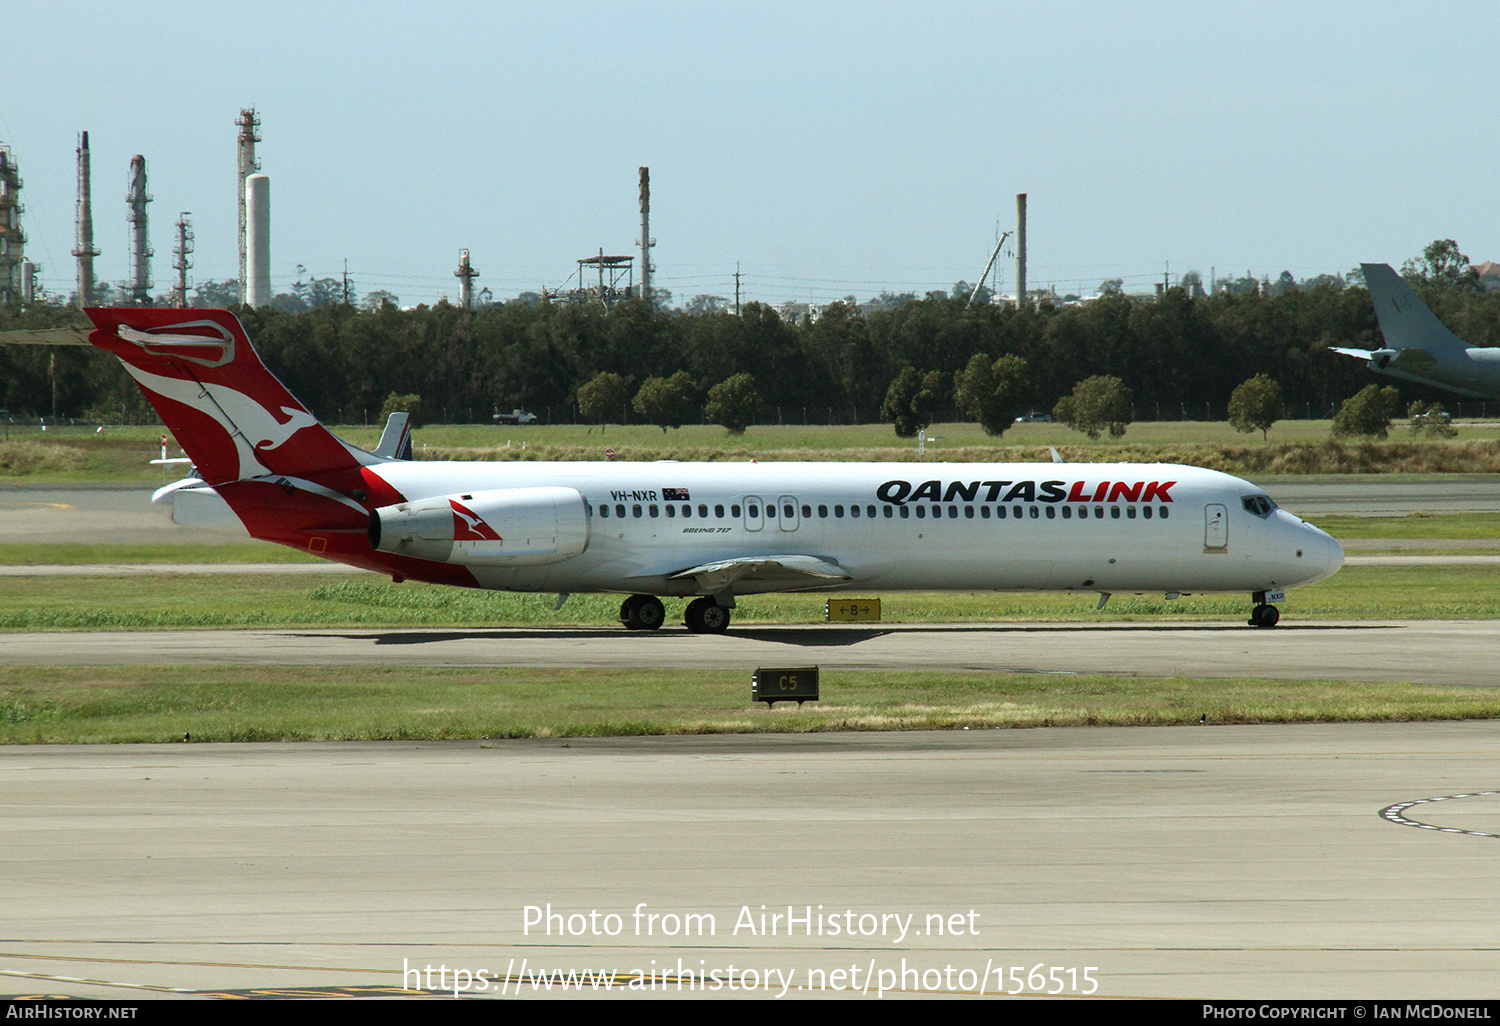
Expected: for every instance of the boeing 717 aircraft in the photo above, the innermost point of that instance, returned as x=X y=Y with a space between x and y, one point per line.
x=1418 y=347
x=705 y=532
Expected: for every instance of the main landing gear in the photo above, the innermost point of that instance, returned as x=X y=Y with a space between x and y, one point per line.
x=705 y=616
x=642 y=613
x=646 y=613
x=1264 y=614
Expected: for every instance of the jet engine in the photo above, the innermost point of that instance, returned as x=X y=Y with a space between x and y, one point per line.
x=499 y=527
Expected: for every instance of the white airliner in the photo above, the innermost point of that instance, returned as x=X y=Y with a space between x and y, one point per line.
x=704 y=531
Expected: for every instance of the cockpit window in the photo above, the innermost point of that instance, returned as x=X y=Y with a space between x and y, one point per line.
x=1260 y=505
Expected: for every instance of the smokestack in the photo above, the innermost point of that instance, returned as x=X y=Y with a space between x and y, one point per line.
x=85 y=251
x=465 y=275
x=1020 y=248
x=140 y=247
x=646 y=240
x=249 y=124
x=258 y=240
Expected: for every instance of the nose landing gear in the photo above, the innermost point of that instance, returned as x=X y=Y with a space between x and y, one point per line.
x=1264 y=614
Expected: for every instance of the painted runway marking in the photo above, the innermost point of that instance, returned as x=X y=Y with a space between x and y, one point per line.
x=1393 y=813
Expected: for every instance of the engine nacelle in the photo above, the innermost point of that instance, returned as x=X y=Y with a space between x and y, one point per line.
x=499 y=527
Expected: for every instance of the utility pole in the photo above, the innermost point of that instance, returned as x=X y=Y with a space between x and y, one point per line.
x=180 y=254
x=736 y=288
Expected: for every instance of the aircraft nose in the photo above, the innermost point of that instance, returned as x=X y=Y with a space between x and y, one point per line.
x=1323 y=553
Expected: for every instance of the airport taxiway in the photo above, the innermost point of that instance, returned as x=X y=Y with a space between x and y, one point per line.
x=1188 y=862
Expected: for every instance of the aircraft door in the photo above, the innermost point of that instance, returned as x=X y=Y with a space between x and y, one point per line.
x=788 y=517
x=1215 y=528
x=754 y=512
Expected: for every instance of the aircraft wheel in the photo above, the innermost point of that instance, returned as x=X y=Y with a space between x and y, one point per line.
x=642 y=613
x=705 y=616
x=1264 y=615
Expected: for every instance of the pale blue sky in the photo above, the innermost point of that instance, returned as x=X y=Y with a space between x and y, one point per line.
x=830 y=148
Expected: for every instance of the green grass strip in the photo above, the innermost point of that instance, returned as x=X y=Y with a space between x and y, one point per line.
x=179 y=601
x=44 y=704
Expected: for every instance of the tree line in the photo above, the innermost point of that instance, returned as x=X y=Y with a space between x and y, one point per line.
x=981 y=361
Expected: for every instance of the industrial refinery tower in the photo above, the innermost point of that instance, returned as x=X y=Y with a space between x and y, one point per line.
x=249 y=125
x=11 y=236
x=180 y=258
x=646 y=240
x=140 y=241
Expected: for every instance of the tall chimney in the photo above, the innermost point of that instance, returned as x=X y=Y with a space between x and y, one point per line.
x=258 y=240
x=1020 y=248
x=85 y=251
x=646 y=240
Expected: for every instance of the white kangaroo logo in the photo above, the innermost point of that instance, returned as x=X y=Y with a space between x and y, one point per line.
x=250 y=425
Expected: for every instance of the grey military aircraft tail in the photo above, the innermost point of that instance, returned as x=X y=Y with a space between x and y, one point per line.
x=1418 y=347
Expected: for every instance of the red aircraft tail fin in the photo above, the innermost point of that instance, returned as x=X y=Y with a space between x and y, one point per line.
x=226 y=410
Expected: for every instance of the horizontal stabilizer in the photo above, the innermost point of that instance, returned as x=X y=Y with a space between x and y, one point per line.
x=46 y=337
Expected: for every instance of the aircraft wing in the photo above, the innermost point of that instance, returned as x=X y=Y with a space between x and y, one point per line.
x=789 y=571
x=1361 y=354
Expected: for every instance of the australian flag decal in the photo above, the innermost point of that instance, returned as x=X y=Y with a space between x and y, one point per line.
x=675 y=495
